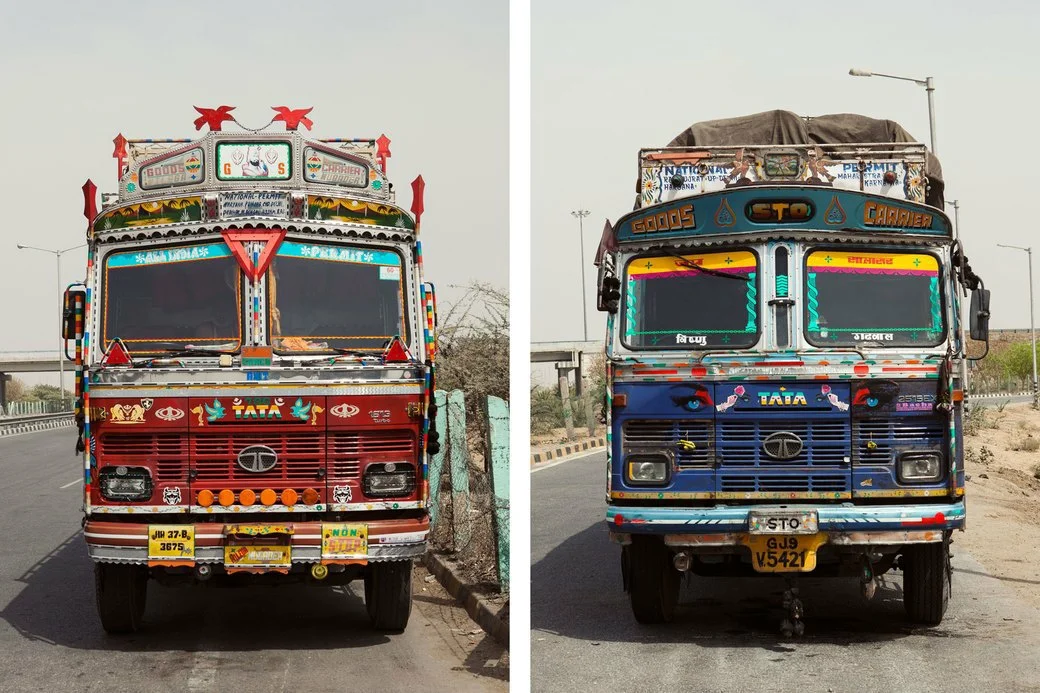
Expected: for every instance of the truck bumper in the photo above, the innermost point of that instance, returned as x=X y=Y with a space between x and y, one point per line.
x=844 y=524
x=124 y=542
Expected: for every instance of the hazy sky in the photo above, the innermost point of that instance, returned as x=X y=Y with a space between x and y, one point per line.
x=432 y=76
x=609 y=78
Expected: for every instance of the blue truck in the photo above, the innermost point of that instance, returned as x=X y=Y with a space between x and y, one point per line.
x=784 y=362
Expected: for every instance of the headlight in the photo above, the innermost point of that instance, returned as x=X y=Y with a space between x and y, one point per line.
x=647 y=469
x=920 y=466
x=389 y=479
x=125 y=483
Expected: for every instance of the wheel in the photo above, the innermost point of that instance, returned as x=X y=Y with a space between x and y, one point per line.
x=388 y=595
x=926 y=582
x=653 y=584
x=121 y=591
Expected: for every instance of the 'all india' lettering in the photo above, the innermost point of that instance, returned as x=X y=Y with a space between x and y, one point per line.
x=782 y=399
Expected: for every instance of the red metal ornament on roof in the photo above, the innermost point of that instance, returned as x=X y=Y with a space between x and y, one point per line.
x=293 y=118
x=89 y=200
x=418 y=190
x=383 y=152
x=213 y=117
x=119 y=154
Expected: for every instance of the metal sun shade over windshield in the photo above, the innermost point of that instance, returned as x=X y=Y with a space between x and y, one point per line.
x=671 y=304
x=157 y=299
x=323 y=297
x=855 y=297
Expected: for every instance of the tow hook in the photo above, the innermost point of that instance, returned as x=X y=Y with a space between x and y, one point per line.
x=681 y=561
x=868 y=582
x=792 y=623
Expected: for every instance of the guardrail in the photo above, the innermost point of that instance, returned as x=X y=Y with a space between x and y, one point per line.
x=42 y=422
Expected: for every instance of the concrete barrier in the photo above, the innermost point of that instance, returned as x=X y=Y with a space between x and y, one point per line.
x=29 y=424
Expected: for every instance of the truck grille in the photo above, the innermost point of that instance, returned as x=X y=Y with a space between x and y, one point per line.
x=779 y=483
x=167 y=451
x=347 y=447
x=825 y=443
x=890 y=435
x=300 y=456
x=666 y=434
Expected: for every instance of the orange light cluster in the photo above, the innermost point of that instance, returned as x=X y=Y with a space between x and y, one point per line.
x=248 y=497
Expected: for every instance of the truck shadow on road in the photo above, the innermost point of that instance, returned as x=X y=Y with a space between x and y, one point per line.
x=576 y=592
x=56 y=605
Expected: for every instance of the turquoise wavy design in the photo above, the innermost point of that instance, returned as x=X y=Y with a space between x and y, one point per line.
x=781 y=285
x=933 y=289
x=752 y=303
x=813 y=303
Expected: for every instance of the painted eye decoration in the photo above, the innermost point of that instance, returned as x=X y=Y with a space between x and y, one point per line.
x=872 y=401
x=690 y=403
x=697 y=399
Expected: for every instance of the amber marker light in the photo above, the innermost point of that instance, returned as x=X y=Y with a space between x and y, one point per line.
x=310 y=496
x=205 y=498
x=289 y=497
x=247 y=497
x=226 y=497
x=268 y=496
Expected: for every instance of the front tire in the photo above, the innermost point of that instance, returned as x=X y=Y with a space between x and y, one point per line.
x=653 y=583
x=388 y=595
x=120 y=591
x=926 y=582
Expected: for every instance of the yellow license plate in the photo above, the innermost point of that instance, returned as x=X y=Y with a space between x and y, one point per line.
x=784 y=553
x=263 y=555
x=171 y=542
x=344 y=541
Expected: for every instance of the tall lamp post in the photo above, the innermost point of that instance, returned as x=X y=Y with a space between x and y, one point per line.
x=1032 y=331
x=580 y=214
x=61 y=342
x=927 y=83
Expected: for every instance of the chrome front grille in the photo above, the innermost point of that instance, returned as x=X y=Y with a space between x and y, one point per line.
x=825 y=442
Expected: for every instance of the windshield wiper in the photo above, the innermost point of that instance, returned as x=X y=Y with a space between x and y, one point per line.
x=354 y=352
x=198 y=350
x=699 y=268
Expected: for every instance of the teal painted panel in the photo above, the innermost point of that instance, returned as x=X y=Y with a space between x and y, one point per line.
x=498 y=449
x=457 y=449
x=440 y=398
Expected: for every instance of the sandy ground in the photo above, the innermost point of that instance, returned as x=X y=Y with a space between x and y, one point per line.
x=1003 y=496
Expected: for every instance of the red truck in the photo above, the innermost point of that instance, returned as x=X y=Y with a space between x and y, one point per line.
x=254 y=347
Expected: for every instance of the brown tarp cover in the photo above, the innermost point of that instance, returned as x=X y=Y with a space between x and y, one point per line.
x=784 y=127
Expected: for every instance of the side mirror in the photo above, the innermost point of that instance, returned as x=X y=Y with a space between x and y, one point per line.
x=72 y=313
x=609 y=294
x=978 y=317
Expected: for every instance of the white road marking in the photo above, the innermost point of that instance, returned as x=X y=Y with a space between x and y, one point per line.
x=566 y=459
x=74 y=481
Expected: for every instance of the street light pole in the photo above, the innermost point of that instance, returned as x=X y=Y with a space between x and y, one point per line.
x=928 y=83
x=61 y=342
x=1032 y=330
x=580 y=214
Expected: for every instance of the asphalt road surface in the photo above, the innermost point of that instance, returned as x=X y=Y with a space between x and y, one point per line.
x=725 y=636
x=198 y=639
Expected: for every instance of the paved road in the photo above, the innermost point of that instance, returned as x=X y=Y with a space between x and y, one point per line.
x=196 y=639
x=725 y=636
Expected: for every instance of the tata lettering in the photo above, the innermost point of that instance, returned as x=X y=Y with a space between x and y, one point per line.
x=782 y=399
x=671 y=220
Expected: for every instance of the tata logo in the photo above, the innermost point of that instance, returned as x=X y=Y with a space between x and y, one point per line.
x=257 y=459
x=783 y=445
x=779 y=211
x=783 y=398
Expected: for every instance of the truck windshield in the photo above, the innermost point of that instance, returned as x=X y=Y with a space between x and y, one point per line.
x=891 y=299
x=671 y=304
x=156 y=300
x=325 y=297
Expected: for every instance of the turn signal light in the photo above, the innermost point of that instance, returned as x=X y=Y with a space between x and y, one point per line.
x=310 y=496
x=226 y=497
x=205 y=498
x=268 y=496
x=247 y=497
x=289 y=497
